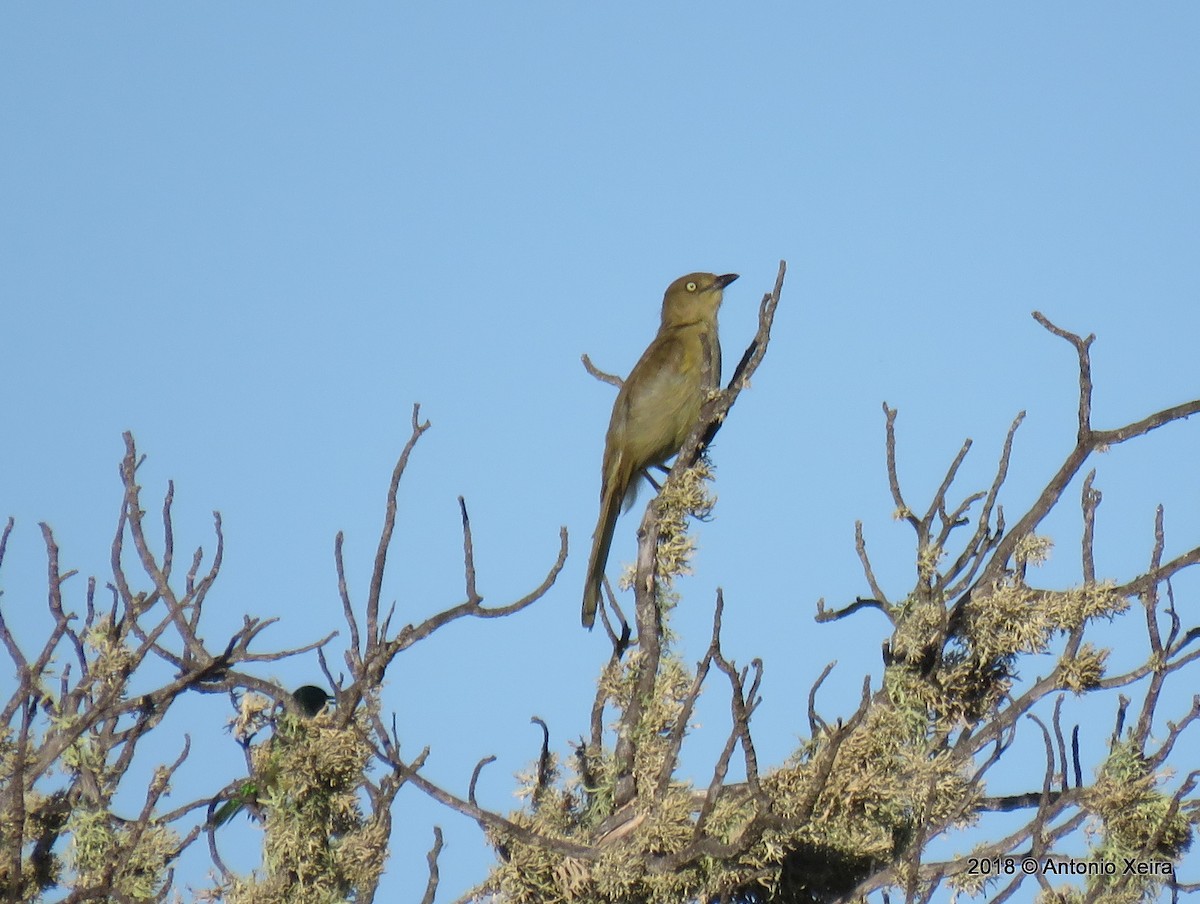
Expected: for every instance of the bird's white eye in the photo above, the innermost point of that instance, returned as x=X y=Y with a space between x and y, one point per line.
x=691 y=287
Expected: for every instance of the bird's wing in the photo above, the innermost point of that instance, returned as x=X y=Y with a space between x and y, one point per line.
x=664 y=398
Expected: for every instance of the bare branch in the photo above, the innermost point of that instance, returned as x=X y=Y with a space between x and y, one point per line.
x=611 y=379
x=494 y=820
x=389 y=522
x=816 y=723
x=475 y=777
x=1082 y=349
x=860 y=545
x=1090 y=500
x=473 y=596
x=902 y=509
x=939 y=497
x=827 y=615
x=432 y=859
x=671 y=760
x=356 y=649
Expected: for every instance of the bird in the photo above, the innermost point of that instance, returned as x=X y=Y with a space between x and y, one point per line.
x=657 y=407
x=311 y=699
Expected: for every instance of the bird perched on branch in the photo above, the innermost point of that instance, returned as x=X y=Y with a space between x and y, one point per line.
x=657 y=407
x=311 y=700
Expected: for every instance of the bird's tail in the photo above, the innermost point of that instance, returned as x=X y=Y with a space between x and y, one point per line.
x=610 y=508
x=248 y=793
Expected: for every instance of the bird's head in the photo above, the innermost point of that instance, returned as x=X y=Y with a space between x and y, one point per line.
x=694 y=297
x=311 y=699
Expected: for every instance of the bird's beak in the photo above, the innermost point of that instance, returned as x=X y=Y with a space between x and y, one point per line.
x=723 y=281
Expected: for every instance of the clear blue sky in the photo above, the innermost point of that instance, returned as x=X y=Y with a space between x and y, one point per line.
x=255 y=234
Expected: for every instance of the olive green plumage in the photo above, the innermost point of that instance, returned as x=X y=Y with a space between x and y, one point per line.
x=657 y=407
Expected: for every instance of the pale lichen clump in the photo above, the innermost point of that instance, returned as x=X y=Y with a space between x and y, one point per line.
x=971 y=674
x=1136 y=819
x=883 y=783
x=847 y=816
x=1015 y=620
x=318 y=846
x=1082 y=672
x=687 y=497
x=1134 y=825
x=113 y=661
x=105 y=851
x=103 y=854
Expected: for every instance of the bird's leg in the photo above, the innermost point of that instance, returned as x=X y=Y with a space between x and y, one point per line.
x=651 y=480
